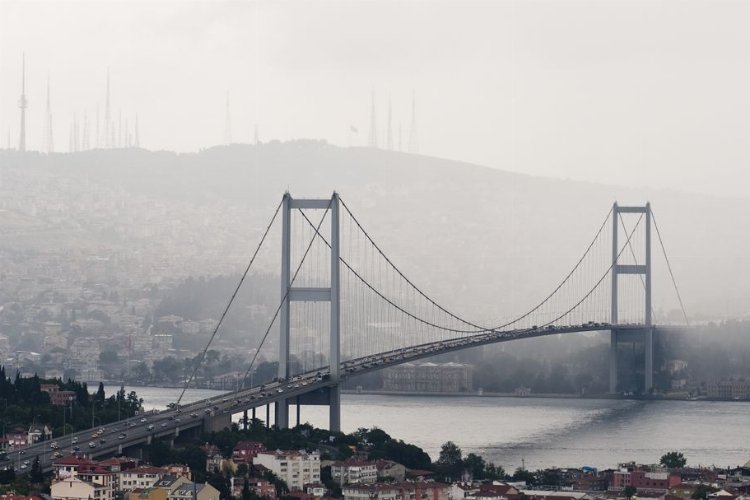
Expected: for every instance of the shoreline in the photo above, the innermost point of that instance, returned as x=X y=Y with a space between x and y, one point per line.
x=510 y=395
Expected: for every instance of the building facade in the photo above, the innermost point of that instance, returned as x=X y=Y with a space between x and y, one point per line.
x=296 y=468
x=428 y=377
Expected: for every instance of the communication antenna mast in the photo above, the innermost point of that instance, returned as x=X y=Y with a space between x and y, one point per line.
x=23 y=104
x=413 y=141
x=107 y=118
x=49 y=144
x=227 y=124
x=389 y=137
x=137 y=134
x=373 y=142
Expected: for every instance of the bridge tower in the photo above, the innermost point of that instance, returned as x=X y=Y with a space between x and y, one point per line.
x=646 y=335
x=291 y=294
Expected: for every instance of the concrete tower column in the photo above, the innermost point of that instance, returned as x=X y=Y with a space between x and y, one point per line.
x=613 y=312
x=649 y=334
x=335 y=339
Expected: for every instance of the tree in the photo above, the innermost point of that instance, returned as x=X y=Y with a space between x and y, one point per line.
x=246 y=490
x=701 y=492
x=100 y=394
x=629 y=491
x=494 y=472
x=450 y=462
x=524 y=475
x=36 y=475
x=673 y=460
x=475 y=465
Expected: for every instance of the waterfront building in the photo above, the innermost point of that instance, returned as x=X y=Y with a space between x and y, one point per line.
x=644 y=480
x=428 y=377
x=728 y=389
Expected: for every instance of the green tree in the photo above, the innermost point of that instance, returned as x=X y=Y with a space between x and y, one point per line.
x=450 y=462
x=701 y=492
x=100 y=394
x=246 y=490
x=494 y=472
x=36 y=475
x=524 y=475
x=242 y=470
x=475 y=465
x=629 y=491
x=673 y=460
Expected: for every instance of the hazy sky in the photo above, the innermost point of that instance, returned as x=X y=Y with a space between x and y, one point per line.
x=636 y=93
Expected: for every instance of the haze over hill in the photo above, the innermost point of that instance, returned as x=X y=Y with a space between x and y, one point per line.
x=483 y=241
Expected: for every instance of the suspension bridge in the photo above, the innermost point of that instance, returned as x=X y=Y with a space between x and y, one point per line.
x=346 y=309
x=342 y=295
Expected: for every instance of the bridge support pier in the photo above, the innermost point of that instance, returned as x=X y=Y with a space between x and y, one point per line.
x=645 y=336
x=334 y=409
x=282 y=414
x=218 y=423
x=298 y=407
x=613 y=362
x=648 y=338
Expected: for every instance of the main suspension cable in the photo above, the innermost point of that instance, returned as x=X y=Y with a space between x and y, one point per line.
x=418 y=290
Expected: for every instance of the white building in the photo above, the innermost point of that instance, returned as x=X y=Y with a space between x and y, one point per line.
x=354 y=472
x=140 y=477
x=74 y=488
x=379 y=491
x=296 y=468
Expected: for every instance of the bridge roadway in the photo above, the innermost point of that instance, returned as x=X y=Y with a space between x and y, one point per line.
x=207 y=413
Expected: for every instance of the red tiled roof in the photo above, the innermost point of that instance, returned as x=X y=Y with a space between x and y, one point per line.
x=145 y=469
x=73 y=460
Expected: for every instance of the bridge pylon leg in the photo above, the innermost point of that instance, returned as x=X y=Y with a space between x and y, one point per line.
x=282 y=414
x=334 y=409
x=613 y=362
x=648 y=338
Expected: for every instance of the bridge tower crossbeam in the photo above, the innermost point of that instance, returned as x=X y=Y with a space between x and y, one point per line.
x=638 y=269
x=291 y=294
